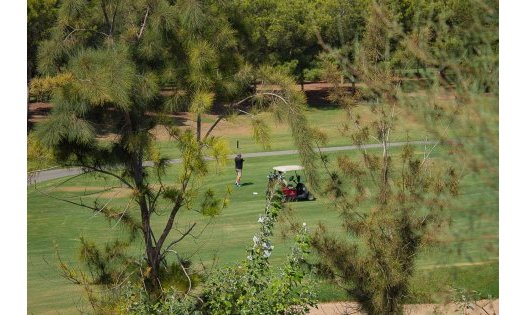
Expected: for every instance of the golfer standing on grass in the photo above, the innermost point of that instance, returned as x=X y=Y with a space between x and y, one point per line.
x=239 y=169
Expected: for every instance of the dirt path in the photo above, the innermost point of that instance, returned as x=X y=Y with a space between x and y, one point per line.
x=483 y=307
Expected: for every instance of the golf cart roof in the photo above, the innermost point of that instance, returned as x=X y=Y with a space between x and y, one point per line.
x=287 y=168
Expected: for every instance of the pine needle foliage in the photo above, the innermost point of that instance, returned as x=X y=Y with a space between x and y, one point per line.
x=261 y=132
x=288 y=104
x=108 y=60
x=120 y=67
x=393 y=206
x=37 y=152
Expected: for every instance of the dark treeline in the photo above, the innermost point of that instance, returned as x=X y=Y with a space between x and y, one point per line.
x=290 y=34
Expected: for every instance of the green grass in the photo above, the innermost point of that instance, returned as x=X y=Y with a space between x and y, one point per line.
x=471 y=238
x=328 y=119
x=467 y=257
x=437 y=284
x=33 y=165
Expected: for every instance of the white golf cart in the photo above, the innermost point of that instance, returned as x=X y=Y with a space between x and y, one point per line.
x=293 y=189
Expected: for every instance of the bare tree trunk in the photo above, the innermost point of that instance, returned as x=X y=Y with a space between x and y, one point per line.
x=152 y=253
x=212 y=127
x=385 y=157
x=198 y=128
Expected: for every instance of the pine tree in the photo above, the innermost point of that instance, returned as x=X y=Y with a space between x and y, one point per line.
x=391 y=206
x=127 y=64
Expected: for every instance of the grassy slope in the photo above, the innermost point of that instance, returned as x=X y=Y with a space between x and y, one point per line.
x=329 y=120
x=473 y=237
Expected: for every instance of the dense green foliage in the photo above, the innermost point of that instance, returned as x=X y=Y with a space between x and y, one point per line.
x=117 y=70
x=466 y=256
x=117 y=58
x=41 y=15
x=253 y=287
x=405 y=209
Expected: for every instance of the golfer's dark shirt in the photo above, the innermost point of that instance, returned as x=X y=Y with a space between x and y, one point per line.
x=239 y=163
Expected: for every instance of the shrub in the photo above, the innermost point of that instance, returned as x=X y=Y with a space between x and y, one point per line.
x=253 y=287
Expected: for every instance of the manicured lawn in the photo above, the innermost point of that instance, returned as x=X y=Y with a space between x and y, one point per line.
x=236 y=132
x=466 y=258
x=327 y=119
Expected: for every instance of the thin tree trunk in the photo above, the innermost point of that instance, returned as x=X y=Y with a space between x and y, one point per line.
x=385 y=156
x=198 y=127
x=212 y=127
x=106 y=19
x=152 y=253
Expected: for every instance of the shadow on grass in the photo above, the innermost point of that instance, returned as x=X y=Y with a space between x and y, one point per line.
x=247 y=184
x=318 y=99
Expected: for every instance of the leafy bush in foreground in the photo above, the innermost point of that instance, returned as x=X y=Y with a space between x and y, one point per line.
x=253 y=287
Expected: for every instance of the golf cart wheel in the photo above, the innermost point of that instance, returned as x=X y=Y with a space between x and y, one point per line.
x=311 y=197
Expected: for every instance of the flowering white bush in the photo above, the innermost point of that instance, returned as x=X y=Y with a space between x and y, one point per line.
x=253 y=287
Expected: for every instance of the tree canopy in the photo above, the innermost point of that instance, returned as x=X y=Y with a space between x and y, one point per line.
x=125 y=65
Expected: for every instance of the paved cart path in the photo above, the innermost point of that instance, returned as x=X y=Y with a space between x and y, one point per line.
x=49 y=174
